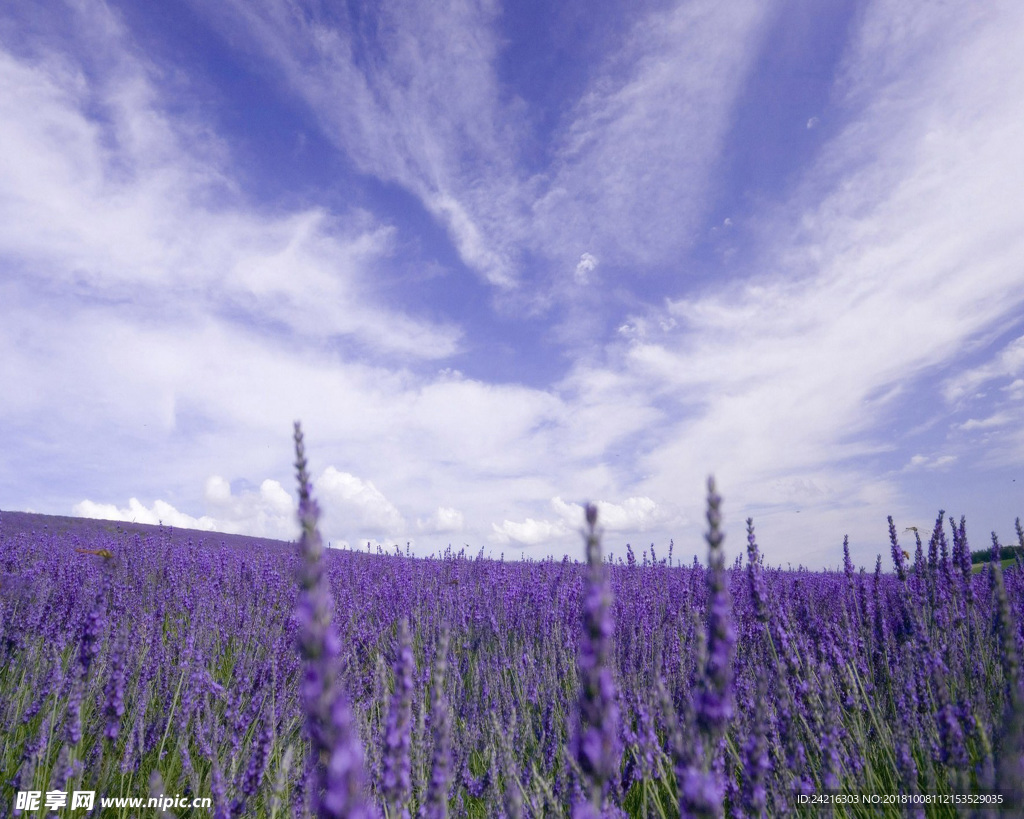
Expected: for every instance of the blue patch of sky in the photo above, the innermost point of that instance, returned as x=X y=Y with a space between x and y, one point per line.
x=279 y=158
x=769 y=146
x=550 y=55
x=789 y=87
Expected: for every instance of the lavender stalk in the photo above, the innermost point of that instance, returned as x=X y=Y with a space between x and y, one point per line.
x=339 y=775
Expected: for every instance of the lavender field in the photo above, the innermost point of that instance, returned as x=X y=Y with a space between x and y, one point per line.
x=296 y=681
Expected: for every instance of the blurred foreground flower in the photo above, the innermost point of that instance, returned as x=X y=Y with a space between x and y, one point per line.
x=337 y=756
x=597 y=737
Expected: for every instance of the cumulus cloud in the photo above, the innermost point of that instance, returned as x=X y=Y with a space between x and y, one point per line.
x=269 y=511
x=352 y=508
x=632 y=515
x=355 y=506
x=266 y=512
x=529 y=532
x=159 y=512
x=443 y=521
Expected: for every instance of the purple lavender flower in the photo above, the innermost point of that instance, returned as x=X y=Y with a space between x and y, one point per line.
x=756 y=764
x=114 y=709
x=715 y=707
x=958 y=545
x=253 y=772
x=897 y=553
x=1010 y=776
x=848 y=568
x=513 y=798
x=596 y=742
x=1004 y=627
x=73 y=717
x=907 y=767
x=30 y=755
x=95 y=621
x=700 y=784
x=965 y=549
x=436 y=804
x=758 y=591
x=879 y=654
x=88 y=648
x=397 y=775
x=339 y=776
x=933 y=543
x=700 y=794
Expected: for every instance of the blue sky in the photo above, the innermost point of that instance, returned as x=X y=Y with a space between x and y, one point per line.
x=502 y=261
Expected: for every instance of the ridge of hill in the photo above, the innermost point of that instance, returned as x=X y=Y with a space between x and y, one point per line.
x=13 y=523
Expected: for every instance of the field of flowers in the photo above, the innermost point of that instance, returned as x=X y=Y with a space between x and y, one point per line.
x=296 y=681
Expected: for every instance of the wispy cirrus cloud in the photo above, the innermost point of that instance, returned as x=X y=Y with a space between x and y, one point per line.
x=800 y=369
x=633 y=163
x=414 y=97
x=409 y=94
x=104 y=196
x=1007 y=364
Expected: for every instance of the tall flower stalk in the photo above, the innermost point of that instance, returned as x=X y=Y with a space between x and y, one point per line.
x=596 y=742
x=337 y=756
x=700 y=791
x=397 y=775
x=436 y=805
x=1011 y=750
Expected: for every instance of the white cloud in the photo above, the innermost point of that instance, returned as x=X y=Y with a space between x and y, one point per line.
x=634 y=160
x=267 y=512
x=1009 y=363
x=355 y=506
x=928 y=462
x=217 y=490
x=584 y=267
x=632 y=515
x=351 y=507
x=137 y=512
x=998 y=420
x=125 y=243
x=529 y=532
x=630 y=161
x=797 y=371
x=154 y=223
x=444 y=520
x=1015 y=389
x=427 y=116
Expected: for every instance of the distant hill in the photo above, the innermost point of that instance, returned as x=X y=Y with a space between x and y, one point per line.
x=14 y=523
